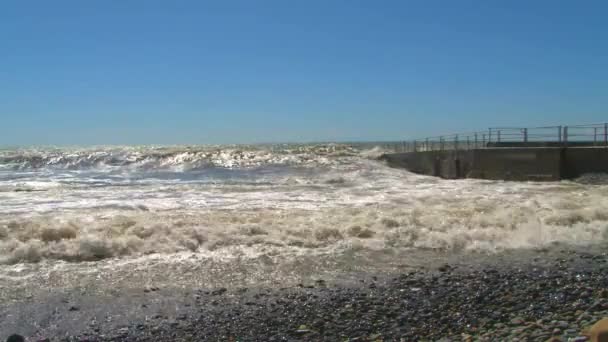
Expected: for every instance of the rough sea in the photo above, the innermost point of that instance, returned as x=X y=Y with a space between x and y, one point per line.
x=89 y=208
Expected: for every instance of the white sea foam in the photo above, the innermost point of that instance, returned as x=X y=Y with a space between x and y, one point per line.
x=86 y=205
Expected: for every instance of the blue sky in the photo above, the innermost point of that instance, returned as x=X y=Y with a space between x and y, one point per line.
x=164 y=72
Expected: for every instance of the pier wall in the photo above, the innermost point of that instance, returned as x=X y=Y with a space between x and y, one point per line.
x=541 y=164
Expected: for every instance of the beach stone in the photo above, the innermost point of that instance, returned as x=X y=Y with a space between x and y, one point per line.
x=517 y=321
x=596 y=306
x=302 y=329
x=219 y=291
x=15 y=338
x=541 y=336
x=554 y=339
x=518 y=331
x=444 y=268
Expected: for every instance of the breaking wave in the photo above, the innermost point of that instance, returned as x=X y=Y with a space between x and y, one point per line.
x=179 y=157
x=474 y=224
x=61 y=204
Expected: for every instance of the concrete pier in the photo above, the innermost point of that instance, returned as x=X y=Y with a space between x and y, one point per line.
x=524 y=163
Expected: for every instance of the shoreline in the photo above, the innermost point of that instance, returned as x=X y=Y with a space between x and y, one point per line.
x=557 y=293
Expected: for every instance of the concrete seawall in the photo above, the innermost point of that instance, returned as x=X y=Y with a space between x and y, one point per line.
x=541 y=164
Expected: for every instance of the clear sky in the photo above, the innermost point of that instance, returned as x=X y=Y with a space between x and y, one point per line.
x=240 y=71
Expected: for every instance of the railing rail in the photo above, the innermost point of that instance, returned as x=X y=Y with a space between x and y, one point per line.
x=587 y=135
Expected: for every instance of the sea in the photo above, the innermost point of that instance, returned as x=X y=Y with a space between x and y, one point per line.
x=113 y=205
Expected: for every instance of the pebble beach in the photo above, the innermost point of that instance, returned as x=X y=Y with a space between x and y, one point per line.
x=556 y=297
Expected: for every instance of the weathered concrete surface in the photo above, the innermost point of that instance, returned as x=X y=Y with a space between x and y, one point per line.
x=577 y=161
x=544 y=164
x=517 y=164
x=444 y=164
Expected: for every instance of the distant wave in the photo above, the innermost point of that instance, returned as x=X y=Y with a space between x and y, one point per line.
x=184 y=158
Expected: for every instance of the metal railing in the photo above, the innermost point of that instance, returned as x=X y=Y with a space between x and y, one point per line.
x=496 y=137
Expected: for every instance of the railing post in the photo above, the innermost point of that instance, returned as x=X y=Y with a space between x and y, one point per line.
x=498 y=137
x=594 y=135
x=441 y=143
x=483 y=140
x=476 y=140
x=468 y=143
x=605 y=134
x=565 y=135
x=415 y=149
x=489 y=135
x=525 y=135
x=559 y=133
x=456 y=142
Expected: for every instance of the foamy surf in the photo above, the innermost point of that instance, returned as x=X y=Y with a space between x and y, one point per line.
x=92 y=204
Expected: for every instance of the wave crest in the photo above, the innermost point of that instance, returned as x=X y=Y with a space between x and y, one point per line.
x=184 y=158
x=81 y=237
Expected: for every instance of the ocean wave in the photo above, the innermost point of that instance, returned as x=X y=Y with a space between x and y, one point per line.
x=330 y=198
x=593 y=179
x=474 y=225
x=176 y=158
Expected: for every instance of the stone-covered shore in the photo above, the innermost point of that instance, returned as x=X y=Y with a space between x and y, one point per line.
x=559 y=298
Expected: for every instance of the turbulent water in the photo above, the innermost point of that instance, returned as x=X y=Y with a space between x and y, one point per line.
x=88 y=204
